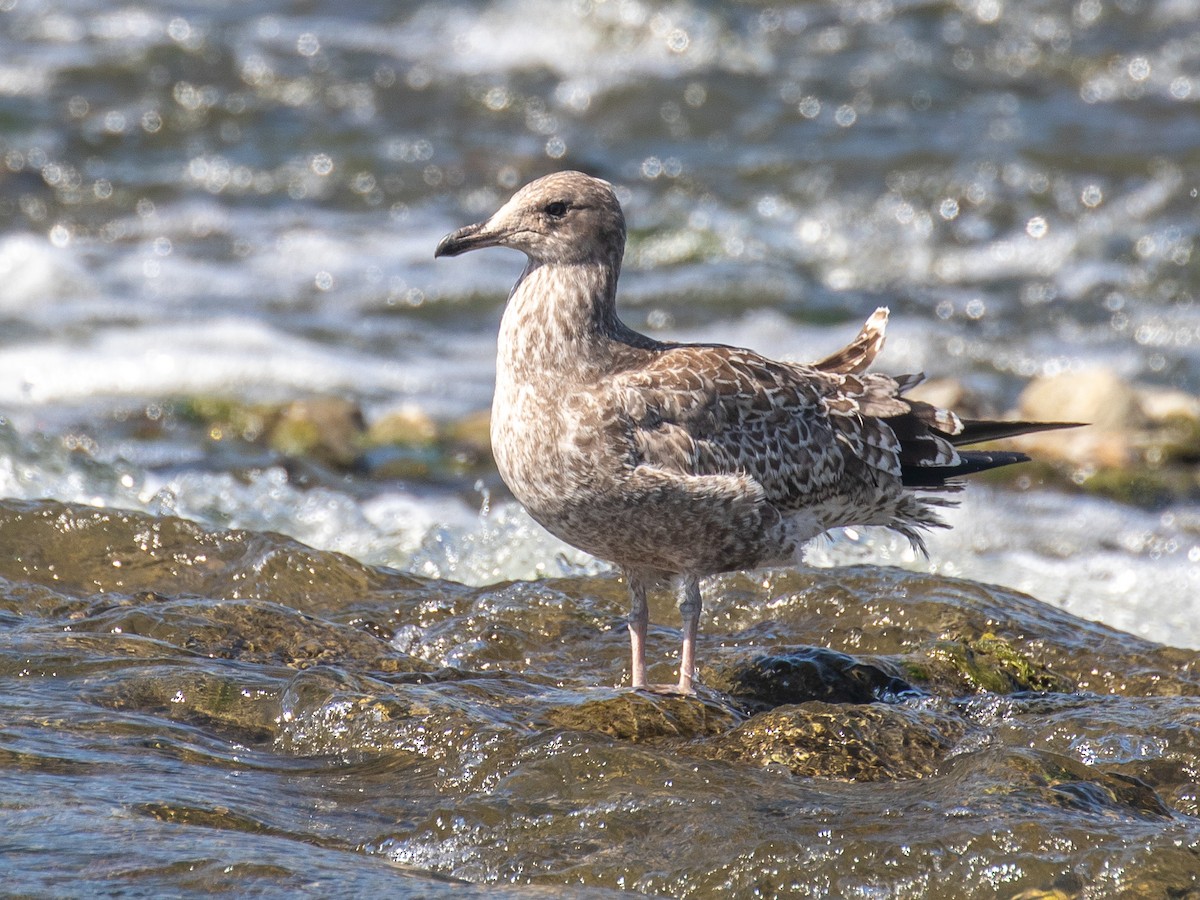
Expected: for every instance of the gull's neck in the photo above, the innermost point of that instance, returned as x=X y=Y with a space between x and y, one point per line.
x=561 y=321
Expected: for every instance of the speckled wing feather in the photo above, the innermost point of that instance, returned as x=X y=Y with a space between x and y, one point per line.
x=804 y=433
x=858 y=355
x=711 y=410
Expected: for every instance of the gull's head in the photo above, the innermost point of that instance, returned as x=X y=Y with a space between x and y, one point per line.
x=567 y=217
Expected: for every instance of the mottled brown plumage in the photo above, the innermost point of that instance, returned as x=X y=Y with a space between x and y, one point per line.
x=684 y=460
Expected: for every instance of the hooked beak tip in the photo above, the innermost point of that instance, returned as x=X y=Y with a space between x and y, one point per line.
x=470 y=238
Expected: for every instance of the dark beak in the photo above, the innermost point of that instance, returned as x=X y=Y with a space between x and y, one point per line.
x=470 y=238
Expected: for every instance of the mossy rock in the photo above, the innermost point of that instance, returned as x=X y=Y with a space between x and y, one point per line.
x=848 y=742
x=644 y=716
x=329 y=429
x=1179 y=440
x=988 y=663
x=471 y=432
x=408 y=426
x=224 y=417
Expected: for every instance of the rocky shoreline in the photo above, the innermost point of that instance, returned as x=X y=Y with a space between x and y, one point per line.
x=1141 y=443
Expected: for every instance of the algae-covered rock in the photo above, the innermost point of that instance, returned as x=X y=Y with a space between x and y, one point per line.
x=408 y=426
x=854 y=742
x=328 y=429
x=224 y=417
x=644 y=716
x=471 y=432
x=988 y=663
x=409 y=443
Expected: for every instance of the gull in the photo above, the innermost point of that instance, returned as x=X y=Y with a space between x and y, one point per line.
x=677 y=461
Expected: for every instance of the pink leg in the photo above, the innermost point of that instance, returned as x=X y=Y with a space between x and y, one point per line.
x=689 y=608
x=639 y=621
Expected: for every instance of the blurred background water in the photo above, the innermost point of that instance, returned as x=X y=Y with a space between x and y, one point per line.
x=237 y=203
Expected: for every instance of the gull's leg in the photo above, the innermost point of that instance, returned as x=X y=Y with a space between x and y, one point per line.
x=639 y=621
x=689 y=608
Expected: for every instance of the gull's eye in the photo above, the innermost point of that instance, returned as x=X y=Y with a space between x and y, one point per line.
x=557 y=209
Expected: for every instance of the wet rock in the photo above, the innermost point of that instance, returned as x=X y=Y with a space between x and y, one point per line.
x=408 y=443
x=471 y=432
x=645 y=716
x=1040 y=778
x=1149 y=487
x=1067 y=887
x=1175 y=416
x=249 y=684
x=409 y=426
x=987 y=663
x=234 y=704
x=329 y=711
x=325 y=430
x=111 y=554
x=404 y=443
x=225 y=418
x=256 y=632
x=849 y=742
x=810 y=673
x=910 y=621
x=328 y=429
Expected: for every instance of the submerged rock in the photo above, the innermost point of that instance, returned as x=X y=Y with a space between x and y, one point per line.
x=645 y=716
x=812 y=673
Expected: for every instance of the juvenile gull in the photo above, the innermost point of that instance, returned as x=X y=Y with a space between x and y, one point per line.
x=677 y=461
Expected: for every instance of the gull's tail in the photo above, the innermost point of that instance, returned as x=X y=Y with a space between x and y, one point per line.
x=928 y=435
x=974 y=431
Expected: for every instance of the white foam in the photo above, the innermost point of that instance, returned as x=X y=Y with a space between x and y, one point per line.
x=230 y=356
x=34 y=272
x=1135 y=570
x=594 y=45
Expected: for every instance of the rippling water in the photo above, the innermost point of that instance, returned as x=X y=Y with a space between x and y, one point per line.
x=239 y=203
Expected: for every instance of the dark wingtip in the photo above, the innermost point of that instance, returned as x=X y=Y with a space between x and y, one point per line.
x=977 y=431
x=971 y=461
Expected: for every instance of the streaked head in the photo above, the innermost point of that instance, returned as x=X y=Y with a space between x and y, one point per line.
x=566 y=217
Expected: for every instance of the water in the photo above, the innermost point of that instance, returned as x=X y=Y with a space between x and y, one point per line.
x=239 y=203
